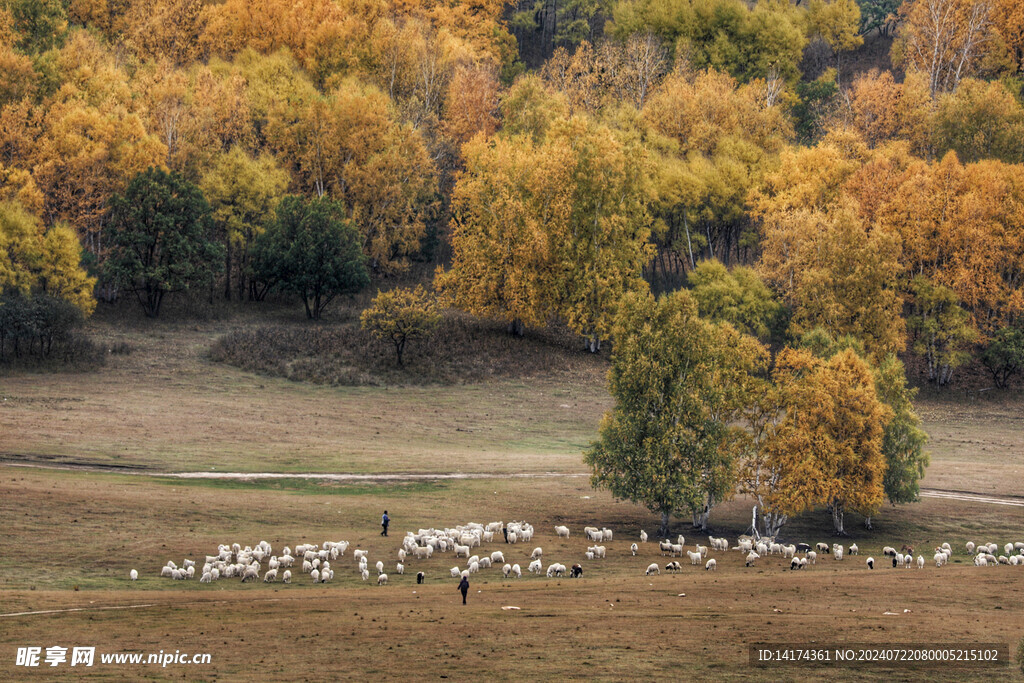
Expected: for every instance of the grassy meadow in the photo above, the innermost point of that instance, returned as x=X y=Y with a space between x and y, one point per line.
x=94 y=502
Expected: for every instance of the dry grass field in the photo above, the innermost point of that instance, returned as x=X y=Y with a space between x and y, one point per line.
x=70 y=536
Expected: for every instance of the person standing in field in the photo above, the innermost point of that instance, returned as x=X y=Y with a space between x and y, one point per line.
x=384 y=521
x=464 y=587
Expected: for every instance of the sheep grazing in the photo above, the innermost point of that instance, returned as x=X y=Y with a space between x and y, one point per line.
x=980 y=561
x=537 y=553
x=380 y=567
x=665 y=546
x=474 y=567
x=270 y=576
x=652 y=569
x=803 y=547
x=589 y=554
x=711 y=565
x=516 y=571
x=751 y=558
x=506 y=570
x=677 y=550
x=920 y=561
x=166 y=571
x=420 y=577
x=744 y=545
x=401 y=555
x=562 y=531
x=364 y=574
x=822 y=548
x=251 y=574
x=854 y=550
x=382 y=580
x=940 y=559
x=287 y=576
x=811 y=557
x=134 y=574
x=400 y=568
x=871 y=563
x=673 y=566
x=695 y=557
x=970 y=547
x=556 y=570
x=576 y=572
x=633 y=548
x=794 y=563
x=535 y=567
x=498 y=556
x=897 y=560
x=643 y=536
x=315 y=575
x=837 y=551
x=703 y=550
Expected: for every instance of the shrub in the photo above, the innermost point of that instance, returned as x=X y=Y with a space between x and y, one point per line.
x=399 y=315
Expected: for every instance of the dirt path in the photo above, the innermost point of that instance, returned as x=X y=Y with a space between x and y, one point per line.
x=964 y=496
x=970 y=497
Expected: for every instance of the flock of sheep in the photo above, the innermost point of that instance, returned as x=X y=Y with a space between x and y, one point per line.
x=246 y=564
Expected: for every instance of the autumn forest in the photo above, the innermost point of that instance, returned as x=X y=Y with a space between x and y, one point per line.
x=818 y=191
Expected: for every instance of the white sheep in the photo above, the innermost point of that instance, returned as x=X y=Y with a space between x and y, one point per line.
x=498 y=556
x=357 y=553
x=854 y=550
x=535 y=567
x=555 y=569
x=401 y=555
x=940 y=559
x=589 y=554
x=680 y=540
x=382 y=580
x=821 y=548
x=287 y=576
x=380 y=567
x=643 y=536
x=695 y=557
x=474 y=567
x=133 y=575
x=711 y=565
x=562 y=531
x=703 y=550
x=811 y=556
x=970 y=547
x=400 y=568
x=270 y=576
x=633 y=548
x=315 y=575
x=455 y=572
x=837 y=551
x=506 y=570
x=537 y=553
x=920 y=561
x=751 y=558
x=365 y=574
x=652 y=569
x=665 y=546
x=677 y=550
x=166 y=571
x=871 y=563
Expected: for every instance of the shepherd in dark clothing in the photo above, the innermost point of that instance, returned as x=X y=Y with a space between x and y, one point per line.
x=464 y=587
x=384 y=521
x=504 y=530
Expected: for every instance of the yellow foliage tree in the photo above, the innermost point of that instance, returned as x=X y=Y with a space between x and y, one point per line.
x=827 y=449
